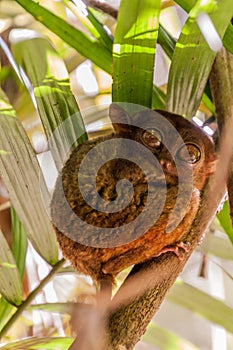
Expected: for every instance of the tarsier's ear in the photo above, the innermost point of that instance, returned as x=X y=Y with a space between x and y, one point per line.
x=120 y=118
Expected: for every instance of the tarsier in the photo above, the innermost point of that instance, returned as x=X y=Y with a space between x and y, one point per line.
x=192 y=152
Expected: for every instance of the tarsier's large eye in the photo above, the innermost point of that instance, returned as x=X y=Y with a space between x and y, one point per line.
x=192 y=156
x=152 y=138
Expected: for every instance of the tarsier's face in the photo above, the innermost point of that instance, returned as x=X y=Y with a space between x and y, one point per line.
x=190 y=148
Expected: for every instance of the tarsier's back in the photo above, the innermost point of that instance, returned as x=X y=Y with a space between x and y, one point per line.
x=135 y=196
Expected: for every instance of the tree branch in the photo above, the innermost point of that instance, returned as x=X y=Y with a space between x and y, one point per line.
x=221 y=82
x=151 y=281
x=104 y=7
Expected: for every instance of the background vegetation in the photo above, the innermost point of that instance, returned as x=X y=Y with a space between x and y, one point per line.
x=69 y=49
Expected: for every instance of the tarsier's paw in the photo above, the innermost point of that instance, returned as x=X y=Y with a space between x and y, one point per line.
x=179 y=249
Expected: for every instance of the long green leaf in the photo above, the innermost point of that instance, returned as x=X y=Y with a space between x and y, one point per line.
x=85 y=45
x=48 y=343
x=93 y=25
x=6 y=311
x=158 y=98
x=192 y=61
x=202 y=304
x=23 y=178
x=104 y=36
x=134 y=51
x=167 y=42
x=19 y=242
x=228 y=36
x=53 y=95
x=10 y=281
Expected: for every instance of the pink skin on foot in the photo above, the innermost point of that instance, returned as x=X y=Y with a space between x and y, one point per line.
x=175 y=248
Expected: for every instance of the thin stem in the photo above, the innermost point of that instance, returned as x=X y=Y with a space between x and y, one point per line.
x=31 y=296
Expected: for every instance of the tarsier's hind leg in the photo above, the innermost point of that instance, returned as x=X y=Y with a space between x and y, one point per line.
x=117 y=264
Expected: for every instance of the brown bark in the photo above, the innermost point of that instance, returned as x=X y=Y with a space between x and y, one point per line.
x=221 y=81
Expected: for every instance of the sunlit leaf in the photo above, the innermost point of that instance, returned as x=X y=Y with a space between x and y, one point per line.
x=97 y=29
x=134 y=51
x=10 y=282
x=7 y=265
x=104 y=37
x=3 y=152
x=6 y=107
x=6 y=311
x=19 y=242
x=228 y=36
x=22 y=176
x=158 y=98
x=202 y=304
x=192 y=61
x=85 y=45
x=167 y=42
x=53 y=95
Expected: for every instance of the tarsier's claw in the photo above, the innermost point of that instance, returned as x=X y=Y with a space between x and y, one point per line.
x=178 y=249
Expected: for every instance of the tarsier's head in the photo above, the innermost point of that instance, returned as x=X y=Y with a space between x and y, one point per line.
x=150 y=170
x=176 y=142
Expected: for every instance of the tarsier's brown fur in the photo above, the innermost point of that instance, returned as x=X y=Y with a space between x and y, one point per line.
x=103 y=263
